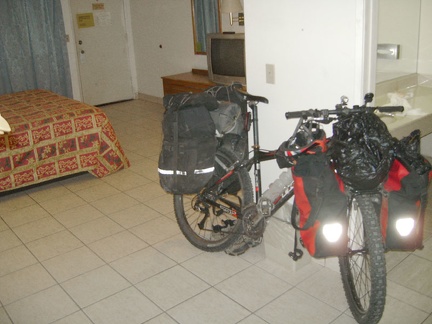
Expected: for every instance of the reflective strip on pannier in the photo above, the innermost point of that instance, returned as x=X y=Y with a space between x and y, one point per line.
x=172 y=172
x=203 y=171
x=199 y=171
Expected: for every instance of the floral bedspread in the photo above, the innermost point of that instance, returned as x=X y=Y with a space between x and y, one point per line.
x=53 y=136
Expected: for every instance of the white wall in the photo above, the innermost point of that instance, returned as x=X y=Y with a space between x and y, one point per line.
x=398 y=23
x=151 y=24
x=168 y=24
x=408 y=23
x=318 y=49
x=425 y=46
x=165 y=23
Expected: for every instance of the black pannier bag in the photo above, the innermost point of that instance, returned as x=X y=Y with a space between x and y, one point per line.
x=405 y=196
x=320 y=201
x=230 y=119
x=361 y=148
x=186 y=161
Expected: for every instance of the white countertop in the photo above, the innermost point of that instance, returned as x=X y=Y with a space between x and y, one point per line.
x=419 y=116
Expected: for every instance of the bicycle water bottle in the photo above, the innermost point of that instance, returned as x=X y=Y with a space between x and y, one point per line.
x=274 y=192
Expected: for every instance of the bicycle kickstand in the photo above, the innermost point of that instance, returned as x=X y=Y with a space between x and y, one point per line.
x=297 y=253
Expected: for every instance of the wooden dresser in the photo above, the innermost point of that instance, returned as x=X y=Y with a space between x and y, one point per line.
x=194 y=81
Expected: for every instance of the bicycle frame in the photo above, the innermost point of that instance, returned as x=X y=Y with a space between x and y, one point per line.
x=258 y=156
x=261 y=156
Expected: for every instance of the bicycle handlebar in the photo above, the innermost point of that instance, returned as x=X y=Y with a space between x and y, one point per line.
x=325 y=113
x=390 y=109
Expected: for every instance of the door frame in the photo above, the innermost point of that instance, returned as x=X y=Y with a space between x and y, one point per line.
x=72 y=49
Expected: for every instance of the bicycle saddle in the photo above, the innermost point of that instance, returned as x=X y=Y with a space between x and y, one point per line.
x=247 y=96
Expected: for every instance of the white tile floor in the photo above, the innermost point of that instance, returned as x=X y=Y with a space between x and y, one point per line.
x=87 y=250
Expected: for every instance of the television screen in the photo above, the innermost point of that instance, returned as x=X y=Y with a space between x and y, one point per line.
x=226 y=58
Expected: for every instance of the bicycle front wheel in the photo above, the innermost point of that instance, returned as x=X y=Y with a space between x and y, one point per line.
x=214 y=228
x=363 y=269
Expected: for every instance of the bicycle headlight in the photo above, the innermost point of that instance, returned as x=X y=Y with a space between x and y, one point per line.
x=404 y=226
x=332 y=232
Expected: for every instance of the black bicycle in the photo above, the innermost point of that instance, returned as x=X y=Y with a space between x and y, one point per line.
x=226 y=215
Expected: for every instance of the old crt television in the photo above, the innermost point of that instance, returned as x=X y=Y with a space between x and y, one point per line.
x=226 y=58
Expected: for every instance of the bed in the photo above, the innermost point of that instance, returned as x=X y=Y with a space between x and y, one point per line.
x=53 y=136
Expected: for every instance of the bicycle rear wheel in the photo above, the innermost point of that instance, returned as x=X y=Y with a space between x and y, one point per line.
x=363 y=269
x=211 y=228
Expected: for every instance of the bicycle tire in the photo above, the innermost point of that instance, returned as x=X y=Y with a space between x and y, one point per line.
x=363 y=269
x=210 y=237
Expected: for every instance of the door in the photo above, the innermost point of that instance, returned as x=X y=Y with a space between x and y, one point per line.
x=103 y=57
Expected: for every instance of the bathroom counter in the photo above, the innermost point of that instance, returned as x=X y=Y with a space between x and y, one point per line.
x=419 y=116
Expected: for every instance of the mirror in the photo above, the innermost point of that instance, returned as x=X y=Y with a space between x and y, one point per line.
x=398 y=23
x=205 y=20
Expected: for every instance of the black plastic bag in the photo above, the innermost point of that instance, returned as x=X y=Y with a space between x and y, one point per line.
x=362 y=150
x=408 y=151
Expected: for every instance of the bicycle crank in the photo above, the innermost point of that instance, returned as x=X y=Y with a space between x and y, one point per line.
x=253 y=222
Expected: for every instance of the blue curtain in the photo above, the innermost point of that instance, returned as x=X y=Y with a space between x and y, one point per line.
x=206 y=21
x=33 y=53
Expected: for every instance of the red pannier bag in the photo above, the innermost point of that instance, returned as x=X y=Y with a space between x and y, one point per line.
x=405 y=196
x=320 y=203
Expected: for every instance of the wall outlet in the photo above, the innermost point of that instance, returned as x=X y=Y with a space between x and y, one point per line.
x=270 y=73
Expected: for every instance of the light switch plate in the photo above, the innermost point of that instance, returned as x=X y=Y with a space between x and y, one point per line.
x=270 y=73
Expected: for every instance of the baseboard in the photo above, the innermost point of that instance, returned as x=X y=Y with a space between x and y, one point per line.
x=146 y=97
